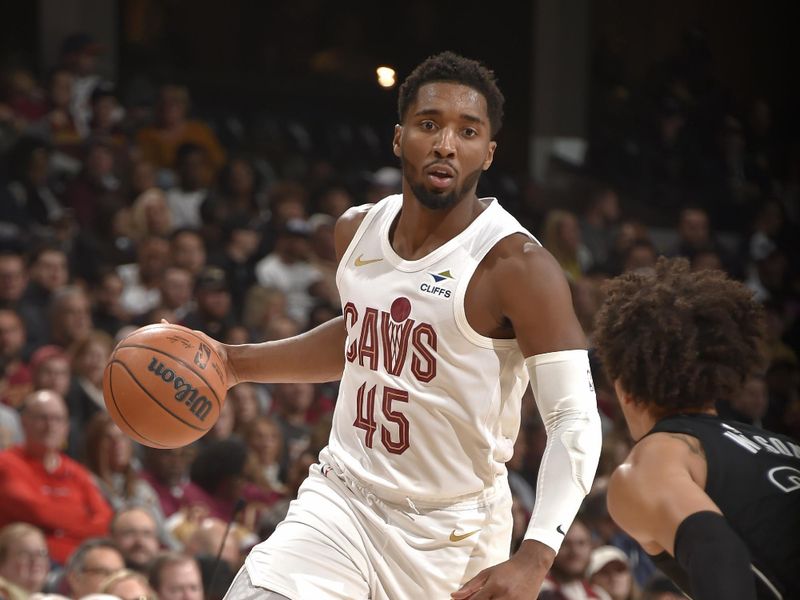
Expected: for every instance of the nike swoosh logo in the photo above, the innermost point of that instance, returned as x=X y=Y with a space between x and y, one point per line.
x=559 y=530
x=457 y=538
x=360 y=262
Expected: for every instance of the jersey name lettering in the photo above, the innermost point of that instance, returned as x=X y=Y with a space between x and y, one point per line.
x=757 y=443
x=383 y=342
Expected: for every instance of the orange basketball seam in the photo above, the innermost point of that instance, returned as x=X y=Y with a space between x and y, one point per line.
x=156 y=400
x=119 y=412
x=182 y=362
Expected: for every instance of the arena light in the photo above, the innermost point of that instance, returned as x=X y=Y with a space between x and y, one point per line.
x=386 y=77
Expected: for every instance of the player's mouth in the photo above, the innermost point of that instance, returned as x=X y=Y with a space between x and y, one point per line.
x=440 y=176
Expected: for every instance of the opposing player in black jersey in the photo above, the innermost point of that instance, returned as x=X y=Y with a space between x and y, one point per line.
x=716 y=502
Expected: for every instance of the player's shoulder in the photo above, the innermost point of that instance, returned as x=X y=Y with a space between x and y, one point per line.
x=347 y=225
x=520 y=257
x=655 y=459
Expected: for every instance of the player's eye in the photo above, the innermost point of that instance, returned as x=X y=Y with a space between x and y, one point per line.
x=428 y=125
x=470 y=132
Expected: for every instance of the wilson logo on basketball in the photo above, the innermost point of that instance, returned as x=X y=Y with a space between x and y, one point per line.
x=199 y=406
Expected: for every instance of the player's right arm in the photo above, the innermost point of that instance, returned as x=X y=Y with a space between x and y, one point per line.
x=314 y=356
x=657 y=496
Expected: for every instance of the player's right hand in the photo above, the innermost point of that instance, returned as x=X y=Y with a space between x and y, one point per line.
x=231 y=377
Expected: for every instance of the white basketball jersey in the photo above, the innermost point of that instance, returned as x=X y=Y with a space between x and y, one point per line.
x=428 y=409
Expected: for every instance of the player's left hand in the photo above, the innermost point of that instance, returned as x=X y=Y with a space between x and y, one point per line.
x=518 y=578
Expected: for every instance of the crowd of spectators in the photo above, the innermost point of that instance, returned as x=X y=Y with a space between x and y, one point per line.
x=115 y=216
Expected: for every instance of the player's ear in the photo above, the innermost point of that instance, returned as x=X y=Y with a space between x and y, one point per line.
x=398 y=131
x=489 y=155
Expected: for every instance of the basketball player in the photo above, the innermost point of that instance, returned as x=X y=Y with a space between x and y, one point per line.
x=715 y=502
x=449 y=307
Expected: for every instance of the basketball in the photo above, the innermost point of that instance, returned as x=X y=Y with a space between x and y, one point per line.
x=164 y=386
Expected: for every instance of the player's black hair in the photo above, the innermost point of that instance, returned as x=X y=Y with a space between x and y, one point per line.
x=451 y=67
x=678 y=340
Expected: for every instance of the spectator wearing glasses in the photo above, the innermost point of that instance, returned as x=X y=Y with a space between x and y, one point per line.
x=41 y=485
x=24 y=561
x=94 y=561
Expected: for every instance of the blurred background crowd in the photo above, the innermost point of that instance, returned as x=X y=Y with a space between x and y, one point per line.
x=129 y=200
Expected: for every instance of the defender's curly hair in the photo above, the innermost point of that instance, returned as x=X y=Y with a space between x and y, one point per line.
x=450 y=67
x=678 y=340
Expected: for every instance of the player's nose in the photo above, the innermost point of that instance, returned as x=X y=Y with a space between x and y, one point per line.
x=444 y=145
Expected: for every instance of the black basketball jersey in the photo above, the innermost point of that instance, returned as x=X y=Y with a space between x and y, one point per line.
x=754 y=478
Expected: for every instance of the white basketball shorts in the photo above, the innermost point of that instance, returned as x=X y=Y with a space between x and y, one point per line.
x=340 y=541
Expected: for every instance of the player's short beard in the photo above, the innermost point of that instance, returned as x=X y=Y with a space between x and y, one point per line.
x=441 y=201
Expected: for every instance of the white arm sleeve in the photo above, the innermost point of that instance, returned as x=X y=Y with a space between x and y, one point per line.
x=564 y=391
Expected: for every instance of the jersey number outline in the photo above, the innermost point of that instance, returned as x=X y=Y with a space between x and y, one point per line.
x=365 y=417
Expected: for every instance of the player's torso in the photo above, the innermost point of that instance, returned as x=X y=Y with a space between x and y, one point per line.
x=427 y=408
x=754 y=477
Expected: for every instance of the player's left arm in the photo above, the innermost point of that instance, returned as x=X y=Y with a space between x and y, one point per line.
x=534 y=296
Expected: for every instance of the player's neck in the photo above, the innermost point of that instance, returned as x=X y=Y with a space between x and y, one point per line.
x=418 y=230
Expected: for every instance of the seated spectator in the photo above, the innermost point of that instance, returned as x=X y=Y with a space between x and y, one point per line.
x=93 y=562
x=70 y=314
x=28 y=204
x=51 y=370
x=193 y=187
x=247 y=405
x=85 y=397
x=695 y=234
x=188 y=250
x=222 y=429
x=135 y=532
x=41 y=485
x=10 y=426
x=642 y=254
x=150 y=216
x=213 y=313
x=610 y=571
x=566 y=579
x=96 y=191
x=24 y=561
x=749 y=405
x=238 y=256
x=143 y=278
x=240 y=195
x=598 y=220
x=291 y=403
x=562 y=237
x=109 y=455
x=108 y=315
x=167 y=472
x=212 y=535
x=16 y=373
x=160 y=142
x=128 y=585
x=629 y=233
x=176 y=577
x=177 y=292
x=105 y=120
x=265 y=444
x=288 y=268
x=13 y=278
x=219 y=471
x=48 y=272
